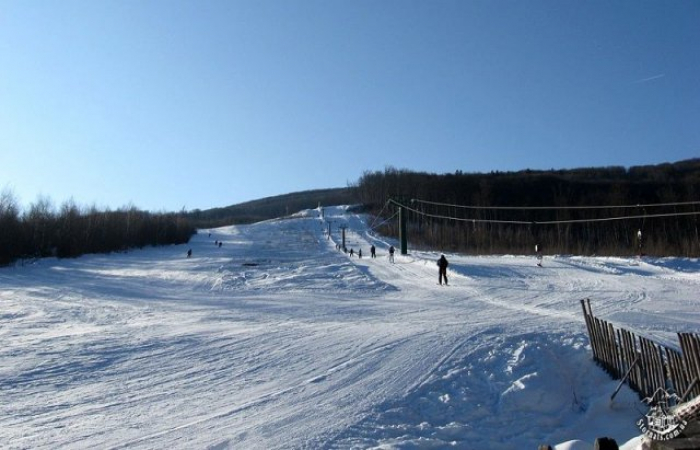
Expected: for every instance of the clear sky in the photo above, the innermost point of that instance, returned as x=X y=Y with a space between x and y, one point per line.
x=166 y=104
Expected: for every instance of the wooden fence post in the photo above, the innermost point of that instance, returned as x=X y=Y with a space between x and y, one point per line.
x=646 y=365
x=690 y=345
x=676 y=372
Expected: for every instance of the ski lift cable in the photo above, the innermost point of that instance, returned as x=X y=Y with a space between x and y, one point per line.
x=380 y=213
x=649 y=205
x=548 y=222
x=374 y=227
x=610 y=219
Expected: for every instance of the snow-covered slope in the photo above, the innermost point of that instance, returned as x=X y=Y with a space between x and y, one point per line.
x=277 y=340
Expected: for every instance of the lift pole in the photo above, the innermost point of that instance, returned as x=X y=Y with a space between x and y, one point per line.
x=342 y=228
x=402 y=230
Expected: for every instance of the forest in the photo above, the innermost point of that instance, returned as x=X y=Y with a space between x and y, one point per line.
x=588 y=211
x=69 y=230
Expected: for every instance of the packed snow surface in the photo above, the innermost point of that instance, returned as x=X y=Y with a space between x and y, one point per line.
x=278 y=340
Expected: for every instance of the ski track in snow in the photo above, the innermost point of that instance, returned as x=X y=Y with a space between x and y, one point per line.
x=277 y=340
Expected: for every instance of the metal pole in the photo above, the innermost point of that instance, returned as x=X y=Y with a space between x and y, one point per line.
x=402 y=231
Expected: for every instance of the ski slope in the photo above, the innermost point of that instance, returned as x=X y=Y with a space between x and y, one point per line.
x=277 y=340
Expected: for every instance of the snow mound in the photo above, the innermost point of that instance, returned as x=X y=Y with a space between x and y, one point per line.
x=500 y=392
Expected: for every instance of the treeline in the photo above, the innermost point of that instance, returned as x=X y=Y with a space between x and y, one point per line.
x=70 y=231
x=564 y=193
x=271 y=207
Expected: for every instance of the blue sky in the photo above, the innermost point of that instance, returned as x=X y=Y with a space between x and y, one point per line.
x=168 y=104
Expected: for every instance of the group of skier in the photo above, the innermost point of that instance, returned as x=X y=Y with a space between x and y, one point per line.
x=442 y=262
x=372 y=252
x=217 y=243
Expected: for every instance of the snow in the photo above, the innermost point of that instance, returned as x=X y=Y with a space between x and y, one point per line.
x=277 y=340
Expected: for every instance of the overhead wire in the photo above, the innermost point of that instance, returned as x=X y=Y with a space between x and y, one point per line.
x=549 y=222
x=649 y=205
x=374 y=227
x=380 y=214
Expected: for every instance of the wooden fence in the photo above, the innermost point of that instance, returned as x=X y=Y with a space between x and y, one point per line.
x=645 y=365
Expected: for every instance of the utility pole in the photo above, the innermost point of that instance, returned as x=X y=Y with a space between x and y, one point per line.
x=402 y=230
x=403 y=218
x=342 y=229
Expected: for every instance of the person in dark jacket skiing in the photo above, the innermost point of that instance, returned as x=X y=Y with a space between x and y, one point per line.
x=442 y=269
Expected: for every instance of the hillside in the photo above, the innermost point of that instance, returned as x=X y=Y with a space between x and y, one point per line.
x=271 y=207
x=276 y=340
x=597 y=210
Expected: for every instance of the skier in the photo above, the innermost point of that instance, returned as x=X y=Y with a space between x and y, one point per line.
x=391 y=254
x=373 y=251
x=442 y=269
x=189 y=253
x=352 y=252
x=359 y=253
